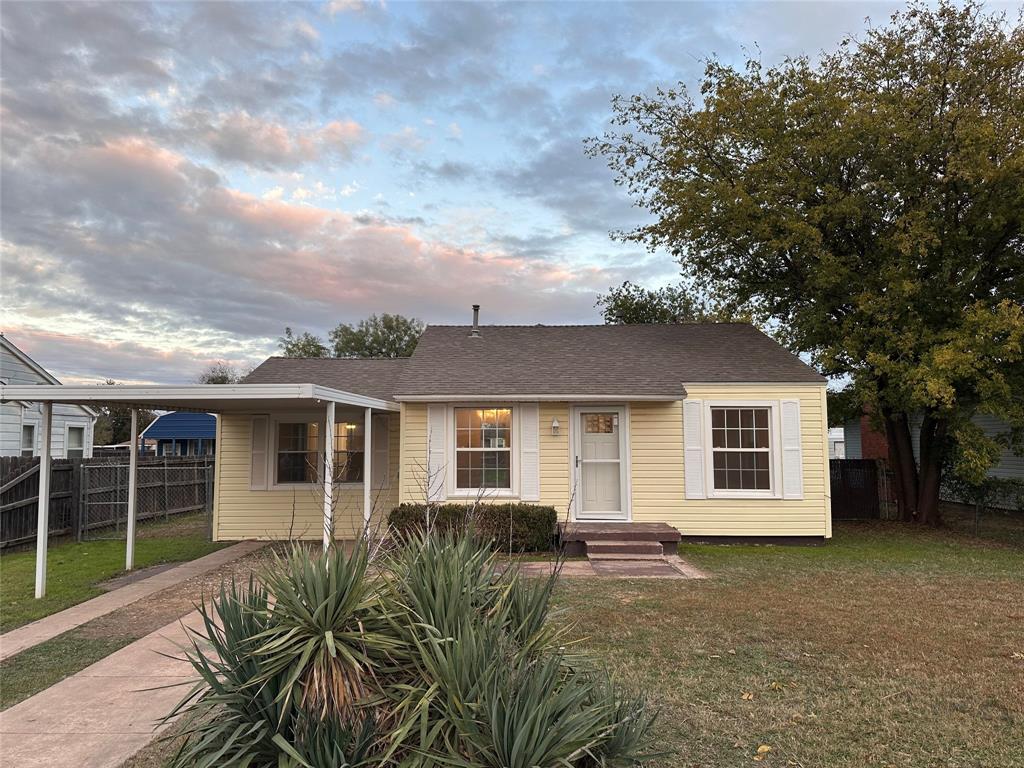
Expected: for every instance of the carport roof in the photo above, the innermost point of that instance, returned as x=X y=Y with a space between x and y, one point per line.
x=211 y=398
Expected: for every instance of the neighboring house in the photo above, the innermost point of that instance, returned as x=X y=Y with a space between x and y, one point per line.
x=837 y=443
x=72 y=430
x=181 y=433
x=714 y=429
x=864 y=441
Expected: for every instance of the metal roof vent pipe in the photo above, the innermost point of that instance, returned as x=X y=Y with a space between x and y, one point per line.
x=475 y=332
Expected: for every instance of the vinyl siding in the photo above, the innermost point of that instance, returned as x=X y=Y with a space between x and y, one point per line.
x=241 y=513
x=413 y=458
x=14 y=415
x=554 y=455
x=657 y=472
x=657 y=497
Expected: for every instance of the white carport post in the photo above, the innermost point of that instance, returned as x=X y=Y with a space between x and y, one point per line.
x=329 y=477
x=43 y=523
x=367 y=469
x=133 y=467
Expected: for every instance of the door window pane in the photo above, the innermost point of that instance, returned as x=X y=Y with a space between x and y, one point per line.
x=599 y=423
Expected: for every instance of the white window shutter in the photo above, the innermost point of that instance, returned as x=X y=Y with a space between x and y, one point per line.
x=379 y=451
x=792 y=456
x=437 y=470
x=693 y=449
x=258 y=453
x=529 y=452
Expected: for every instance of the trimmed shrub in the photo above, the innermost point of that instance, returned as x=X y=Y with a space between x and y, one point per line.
x=532 y=525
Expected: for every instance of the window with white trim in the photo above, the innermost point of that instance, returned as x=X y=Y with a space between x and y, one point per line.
x=349 y=451
x=483 y=448
x=297 y=447
x=28 y=439
x=75 y=449
x=741 y=449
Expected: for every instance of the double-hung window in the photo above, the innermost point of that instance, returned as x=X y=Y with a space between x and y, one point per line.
x=741 y=449
x=28 y=439
x=298 y=445
x=483 y=448
x=349 y=451
x=75 y=448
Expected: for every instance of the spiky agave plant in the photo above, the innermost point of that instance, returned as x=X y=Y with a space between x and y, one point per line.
x=328 y=630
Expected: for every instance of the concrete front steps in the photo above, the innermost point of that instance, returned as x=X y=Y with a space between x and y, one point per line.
x=619 y=541
x=625 y=550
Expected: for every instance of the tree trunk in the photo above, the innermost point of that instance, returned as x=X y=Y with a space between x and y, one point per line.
x=933 y=451
x=901 y=457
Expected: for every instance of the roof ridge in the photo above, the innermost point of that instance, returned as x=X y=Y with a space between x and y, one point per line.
x=687 y=323
x=375 y=359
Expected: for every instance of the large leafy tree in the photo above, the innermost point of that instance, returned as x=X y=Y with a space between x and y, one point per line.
x=381 y=335
x=630 y=303
x=114 y=423
x=377 y=336
x=221 y=372
x=871 y=206
x=303 y=344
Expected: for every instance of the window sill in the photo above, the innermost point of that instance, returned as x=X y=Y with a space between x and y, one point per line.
x=487 y=493
x=749 y=495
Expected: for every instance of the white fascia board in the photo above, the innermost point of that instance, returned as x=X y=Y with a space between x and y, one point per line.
x=548 y=398
x=822 y=383
x=182 y=396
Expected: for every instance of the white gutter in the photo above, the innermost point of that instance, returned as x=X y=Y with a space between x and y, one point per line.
x=508 y=398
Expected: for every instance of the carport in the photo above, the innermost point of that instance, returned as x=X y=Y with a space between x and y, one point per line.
x=208 y=398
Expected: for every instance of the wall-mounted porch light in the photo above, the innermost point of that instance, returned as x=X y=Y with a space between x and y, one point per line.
x=555 y=426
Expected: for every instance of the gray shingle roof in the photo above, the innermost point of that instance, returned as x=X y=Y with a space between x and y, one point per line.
x=621 y=360
x=371 y=377
x=594 y=360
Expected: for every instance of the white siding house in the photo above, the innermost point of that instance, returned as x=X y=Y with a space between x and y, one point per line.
x=72 y=432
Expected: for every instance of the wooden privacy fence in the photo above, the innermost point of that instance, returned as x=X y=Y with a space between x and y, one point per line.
x=89 y=497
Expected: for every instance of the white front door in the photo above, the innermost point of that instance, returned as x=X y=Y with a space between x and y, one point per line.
x=600 y=469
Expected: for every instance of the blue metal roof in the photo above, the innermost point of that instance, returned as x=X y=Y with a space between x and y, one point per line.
x=182 y=425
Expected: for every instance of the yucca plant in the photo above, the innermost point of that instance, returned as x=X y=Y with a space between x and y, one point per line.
x=327 y=631
x=232 y=713
x=436 y=658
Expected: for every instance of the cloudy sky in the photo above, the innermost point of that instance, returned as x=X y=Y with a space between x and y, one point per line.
x=180 y=182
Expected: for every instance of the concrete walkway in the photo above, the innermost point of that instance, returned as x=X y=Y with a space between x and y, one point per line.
x=103 y=715
x=17 y=640
x=666 y=567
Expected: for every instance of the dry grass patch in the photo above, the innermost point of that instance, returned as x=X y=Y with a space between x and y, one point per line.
x=887 y=647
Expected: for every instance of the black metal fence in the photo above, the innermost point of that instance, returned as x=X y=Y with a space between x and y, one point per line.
x=89 y=497
x=856 y=493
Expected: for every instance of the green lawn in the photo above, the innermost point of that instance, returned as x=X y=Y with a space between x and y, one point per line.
x=888 y=646
x=73 y=569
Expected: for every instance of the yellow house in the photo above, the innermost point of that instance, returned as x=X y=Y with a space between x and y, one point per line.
x=701 y=430
x=713 y=429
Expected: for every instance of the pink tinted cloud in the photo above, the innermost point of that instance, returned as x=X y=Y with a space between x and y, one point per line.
x=251 y=140
x=75 y=359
